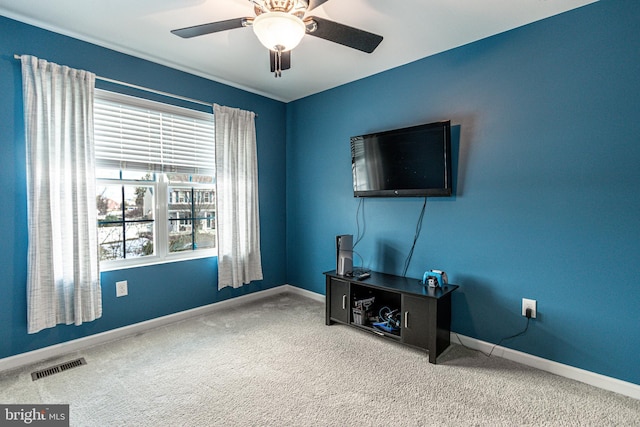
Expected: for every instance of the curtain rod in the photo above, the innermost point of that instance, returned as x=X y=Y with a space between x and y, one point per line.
x=146 y=89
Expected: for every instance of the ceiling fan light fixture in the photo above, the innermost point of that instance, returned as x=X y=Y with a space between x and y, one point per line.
x=279 y=31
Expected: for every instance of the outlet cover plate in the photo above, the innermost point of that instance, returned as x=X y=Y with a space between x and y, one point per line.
x=121 y=289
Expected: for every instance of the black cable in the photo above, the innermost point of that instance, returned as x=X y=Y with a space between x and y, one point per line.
x=364 y=224
x=415 y=239
x=499 y=342
x=359 y=270
x=362 y=269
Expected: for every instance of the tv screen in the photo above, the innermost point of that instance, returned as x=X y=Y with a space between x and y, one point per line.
x=408 y=162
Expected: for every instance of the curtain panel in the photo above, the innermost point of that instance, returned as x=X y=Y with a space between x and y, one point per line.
x=239 y=259
x=63 y=278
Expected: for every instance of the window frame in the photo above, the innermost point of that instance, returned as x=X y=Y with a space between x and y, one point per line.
x=161 y=255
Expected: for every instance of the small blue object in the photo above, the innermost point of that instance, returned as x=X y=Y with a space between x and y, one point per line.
x=384 y=326
x=434 y=278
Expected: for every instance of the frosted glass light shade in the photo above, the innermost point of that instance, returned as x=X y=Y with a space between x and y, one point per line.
x=275 y=29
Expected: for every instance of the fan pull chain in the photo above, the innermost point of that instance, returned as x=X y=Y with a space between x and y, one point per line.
x=278 y=61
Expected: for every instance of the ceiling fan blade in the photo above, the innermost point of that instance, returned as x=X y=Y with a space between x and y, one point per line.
x=344 y=35
x=212 y=27
x=315 y=3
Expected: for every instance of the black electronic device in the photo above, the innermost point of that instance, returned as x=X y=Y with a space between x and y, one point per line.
x=408 y=162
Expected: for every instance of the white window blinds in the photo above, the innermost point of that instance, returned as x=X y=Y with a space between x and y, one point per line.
x=138 y=134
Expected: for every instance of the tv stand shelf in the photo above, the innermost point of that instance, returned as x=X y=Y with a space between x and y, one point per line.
x=423 y=313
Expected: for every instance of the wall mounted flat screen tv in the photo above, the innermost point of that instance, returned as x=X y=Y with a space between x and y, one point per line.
x=408 y=162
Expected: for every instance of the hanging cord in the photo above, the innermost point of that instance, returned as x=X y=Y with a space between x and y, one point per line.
x=415 y=239
x=360 y=236
x=278 y=61
x=362 y=269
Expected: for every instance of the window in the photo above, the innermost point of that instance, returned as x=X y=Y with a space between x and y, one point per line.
x=191 y=213
x=126 y=216
x=155 y=181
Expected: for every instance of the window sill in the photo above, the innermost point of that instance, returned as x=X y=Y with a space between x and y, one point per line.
x=149 y=261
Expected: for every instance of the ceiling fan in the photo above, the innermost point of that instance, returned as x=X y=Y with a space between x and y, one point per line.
x=281 y=24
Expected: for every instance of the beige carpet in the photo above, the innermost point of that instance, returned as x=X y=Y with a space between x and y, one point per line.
x=273 y=362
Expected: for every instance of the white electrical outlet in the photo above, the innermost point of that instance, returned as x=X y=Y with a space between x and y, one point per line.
x=121 y=289
x=529 y=303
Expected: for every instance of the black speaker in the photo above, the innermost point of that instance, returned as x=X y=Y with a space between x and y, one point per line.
x=344 y=254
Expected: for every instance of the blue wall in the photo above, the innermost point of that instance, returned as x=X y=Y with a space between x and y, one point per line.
x=153 y=291
x=547 y=174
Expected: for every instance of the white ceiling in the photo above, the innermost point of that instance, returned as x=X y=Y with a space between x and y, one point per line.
x=412 y=29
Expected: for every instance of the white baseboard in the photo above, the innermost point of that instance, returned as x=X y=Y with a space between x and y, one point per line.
x=304 y=293
x=587 y=377
x=39 y=355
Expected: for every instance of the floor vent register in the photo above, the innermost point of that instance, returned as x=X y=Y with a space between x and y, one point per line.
x=57 y=368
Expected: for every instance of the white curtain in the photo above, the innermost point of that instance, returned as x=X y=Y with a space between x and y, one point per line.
x=239 y=260
x=63 y=278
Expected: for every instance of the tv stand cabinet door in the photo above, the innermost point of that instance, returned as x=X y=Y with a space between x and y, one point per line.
x=429 y=323
x=338 y=295
x=415 y=321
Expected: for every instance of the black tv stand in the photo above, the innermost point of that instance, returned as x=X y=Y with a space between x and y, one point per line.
x=422 y=315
